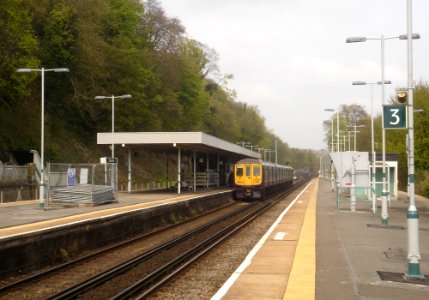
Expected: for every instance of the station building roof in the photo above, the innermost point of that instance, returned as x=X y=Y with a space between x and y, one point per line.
x=168 y=141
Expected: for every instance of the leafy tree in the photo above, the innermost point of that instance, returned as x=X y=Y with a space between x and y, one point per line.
x=18 y=49
x=113 y=47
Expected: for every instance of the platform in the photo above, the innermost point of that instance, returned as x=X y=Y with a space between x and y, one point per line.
x=314 y=251
x=25 y=216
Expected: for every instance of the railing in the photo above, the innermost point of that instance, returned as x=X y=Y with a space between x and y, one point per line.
x=15 y=174
x=17 y=183
x=343 y=195
x=81 y=184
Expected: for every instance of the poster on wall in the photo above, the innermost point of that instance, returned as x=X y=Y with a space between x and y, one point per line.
x=71 y=177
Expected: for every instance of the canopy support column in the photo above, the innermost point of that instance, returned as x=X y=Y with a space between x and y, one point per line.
x=179 y=163
x=129 y=170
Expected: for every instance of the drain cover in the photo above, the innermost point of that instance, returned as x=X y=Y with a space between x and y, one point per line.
x=396 y=254
x=400 y=277
x=386 y=227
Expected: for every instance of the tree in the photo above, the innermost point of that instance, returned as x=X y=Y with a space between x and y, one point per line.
x=353 y=114
x=18 y=49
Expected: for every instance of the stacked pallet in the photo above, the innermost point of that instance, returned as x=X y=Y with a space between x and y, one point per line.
x=83 y=194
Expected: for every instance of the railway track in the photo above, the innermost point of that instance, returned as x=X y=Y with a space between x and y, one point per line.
x=27 y=280
x=158 y=264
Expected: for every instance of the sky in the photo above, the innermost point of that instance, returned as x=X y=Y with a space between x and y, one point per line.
x=290 y=59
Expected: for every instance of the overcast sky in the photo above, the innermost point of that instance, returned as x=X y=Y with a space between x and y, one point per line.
x=289 y=57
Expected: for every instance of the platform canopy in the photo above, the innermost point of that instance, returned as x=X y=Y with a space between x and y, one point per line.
x=191 y=141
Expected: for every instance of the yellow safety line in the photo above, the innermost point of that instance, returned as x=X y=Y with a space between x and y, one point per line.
x=301 y=283
x=18 y=203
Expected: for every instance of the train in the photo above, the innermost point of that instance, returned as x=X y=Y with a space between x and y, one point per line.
x=254 y=178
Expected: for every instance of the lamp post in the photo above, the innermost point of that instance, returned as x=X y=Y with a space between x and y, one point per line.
x=384 y=193
x=338 y=127
x=373 y=154
x=332 y=141
x=412 y=214
x=42 y=202
x=127 y=96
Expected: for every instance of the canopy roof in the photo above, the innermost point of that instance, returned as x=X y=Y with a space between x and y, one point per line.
x=169 y=141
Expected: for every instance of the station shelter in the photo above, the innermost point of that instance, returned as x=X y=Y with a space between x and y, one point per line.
x=360 y=164
x=392 y=174
x=352 y=170
x=202 y=160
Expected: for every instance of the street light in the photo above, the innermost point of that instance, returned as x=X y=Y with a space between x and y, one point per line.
x=412 y=213
x=332 y=143
x=384 y=194
x=338 y=128
x=373 y=154
x=42 y=202
x=127 y=96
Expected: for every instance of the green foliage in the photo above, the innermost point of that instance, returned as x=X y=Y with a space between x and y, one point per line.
x=18 y=49
x=113 y=47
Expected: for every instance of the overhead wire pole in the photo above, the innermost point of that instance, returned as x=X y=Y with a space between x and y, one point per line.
x=373 y=155
x=412 y=214
x=338 y=131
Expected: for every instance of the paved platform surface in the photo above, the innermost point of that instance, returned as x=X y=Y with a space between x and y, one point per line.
x=328 y=254
x=312 y=252
x=21 y=217
x=283 y=259
x=352 y=247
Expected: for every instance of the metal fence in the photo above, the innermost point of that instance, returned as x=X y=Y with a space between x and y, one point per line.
x=17 y=183
x=14 y=174
x=81 y=184
x=362 y=195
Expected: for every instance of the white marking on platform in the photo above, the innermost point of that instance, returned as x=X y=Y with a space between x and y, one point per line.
x=280 y=236
x=228 y=284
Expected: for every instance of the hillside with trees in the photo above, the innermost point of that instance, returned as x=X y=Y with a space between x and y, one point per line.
x=114 y=47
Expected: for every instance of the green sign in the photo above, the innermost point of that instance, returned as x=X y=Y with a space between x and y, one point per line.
x=395 y=116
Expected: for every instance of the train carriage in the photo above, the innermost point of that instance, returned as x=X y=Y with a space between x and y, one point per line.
x=254 y=178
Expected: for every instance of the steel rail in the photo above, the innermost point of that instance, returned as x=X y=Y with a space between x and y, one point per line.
x=37 y=276
x=99 y=279
x=174 y=267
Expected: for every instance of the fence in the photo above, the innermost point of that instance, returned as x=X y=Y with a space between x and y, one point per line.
x=147 y=186
x=81 y=184
x=11 y=174
x=17 y=183
x=362 y=194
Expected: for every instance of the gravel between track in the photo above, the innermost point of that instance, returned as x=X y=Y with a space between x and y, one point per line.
x=204 y=278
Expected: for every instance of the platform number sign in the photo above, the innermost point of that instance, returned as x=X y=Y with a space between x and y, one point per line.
x=395 y=116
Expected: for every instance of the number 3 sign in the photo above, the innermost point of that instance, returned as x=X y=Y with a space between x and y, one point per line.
x=395 y=116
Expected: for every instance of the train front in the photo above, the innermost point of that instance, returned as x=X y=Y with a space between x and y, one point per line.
x=248 y=181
